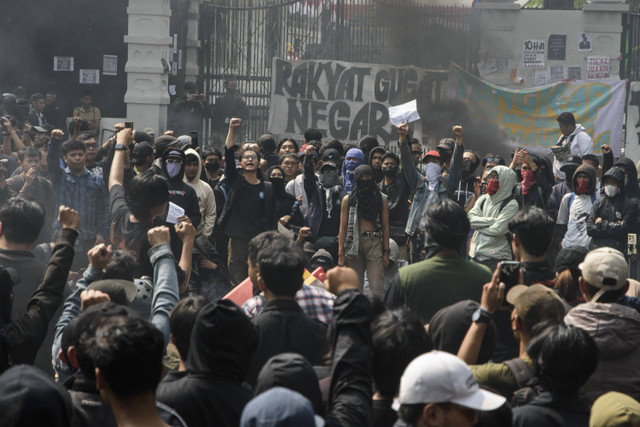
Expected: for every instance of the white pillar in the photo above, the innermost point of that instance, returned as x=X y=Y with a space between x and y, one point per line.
x=191 y=69
x=148 y=42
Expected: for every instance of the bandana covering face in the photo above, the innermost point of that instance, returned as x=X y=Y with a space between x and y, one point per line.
x=329 y=178
x=349 y=166
x=433 y=171
x=492 y=186
x=366 y=193
x=528 y=180
x=173 y=169
x=583 y=186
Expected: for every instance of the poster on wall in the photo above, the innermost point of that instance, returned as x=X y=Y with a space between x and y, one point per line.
x=574 y=73
x=527 y=117
x=556 y=72
x=542 y=77
x=584 y=42
x=110 y=65
x=533 y=53
x=598 y=67
x=557 y=50
x=89 y=77
x=63 y=63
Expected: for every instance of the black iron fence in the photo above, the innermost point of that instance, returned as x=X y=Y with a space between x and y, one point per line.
x=241 y=38
x=630 y=47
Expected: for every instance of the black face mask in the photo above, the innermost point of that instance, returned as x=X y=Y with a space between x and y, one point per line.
x=390 y=170
x=212 y=166
x=467 y=166
x=365 y=184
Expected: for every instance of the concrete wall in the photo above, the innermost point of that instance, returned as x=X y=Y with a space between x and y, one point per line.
x=504 y=28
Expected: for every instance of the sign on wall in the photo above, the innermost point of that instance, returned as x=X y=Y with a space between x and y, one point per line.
x=557 y=47
x=533 y=53
x=346 y=100
x=528 y=117
x=598 y=67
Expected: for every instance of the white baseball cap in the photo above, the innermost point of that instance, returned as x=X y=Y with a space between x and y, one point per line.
x=440 y=377
x=605 y=268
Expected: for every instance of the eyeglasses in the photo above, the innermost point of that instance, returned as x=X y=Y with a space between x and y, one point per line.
x=91 y=145
x=289 y=164
x=249 y=157
x=175 y=161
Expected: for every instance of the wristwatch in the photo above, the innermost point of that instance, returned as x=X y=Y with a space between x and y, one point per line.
x=481 y=316
x=120 y=147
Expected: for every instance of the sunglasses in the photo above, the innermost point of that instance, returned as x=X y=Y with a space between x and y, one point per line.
x=250 y=157
x=496 y=159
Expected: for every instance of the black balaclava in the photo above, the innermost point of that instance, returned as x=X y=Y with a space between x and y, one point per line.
x=366 y=193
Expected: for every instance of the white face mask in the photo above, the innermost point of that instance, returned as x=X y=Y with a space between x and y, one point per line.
x=610 y=190
x=433 y=172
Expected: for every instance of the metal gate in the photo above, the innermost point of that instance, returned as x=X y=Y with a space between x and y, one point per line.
x=241 y=38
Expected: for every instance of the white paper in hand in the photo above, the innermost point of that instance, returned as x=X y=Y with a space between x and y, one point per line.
x=174 y=213
x=407 y=112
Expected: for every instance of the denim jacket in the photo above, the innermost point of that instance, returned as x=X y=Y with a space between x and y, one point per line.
x=71 y=309
x=165 y=297
x=352 y=242
x=421 y=185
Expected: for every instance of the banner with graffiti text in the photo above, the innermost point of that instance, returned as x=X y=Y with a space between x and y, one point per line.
x=527 y=117
x=344 y=100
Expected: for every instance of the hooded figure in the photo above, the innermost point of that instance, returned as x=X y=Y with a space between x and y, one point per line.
x=294 y=372
x=490 y=217
x=222 y=342
x=377 y=171
x=206 y=199
x=369 y=198
x=613 y=216
x=181 y=194
x=535 y=186
x=631 y=187
x=576 y=207
x=349 y=166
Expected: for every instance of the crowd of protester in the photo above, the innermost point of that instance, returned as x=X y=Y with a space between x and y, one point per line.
x=460 y=288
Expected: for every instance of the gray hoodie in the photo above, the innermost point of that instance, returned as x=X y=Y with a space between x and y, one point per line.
x=616 y=331
x=489 y=241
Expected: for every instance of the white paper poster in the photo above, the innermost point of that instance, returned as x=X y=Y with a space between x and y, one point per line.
x=556 y=72
x=407 y=112
x=174 y=213
x=598 y=67
x=63 y=63
x=534 y=53
x=109 y=65
x=89 y=77
x=584 y=42
x=542 y=77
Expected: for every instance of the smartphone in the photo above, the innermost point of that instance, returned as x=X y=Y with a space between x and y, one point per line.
x=128 y=125
x=194 y=139
x=509 y=274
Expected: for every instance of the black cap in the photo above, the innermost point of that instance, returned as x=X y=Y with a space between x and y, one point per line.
x=572 y=160
x=141 y=151
x=120 y=291
x=164 y=142
x=331 y=157
x=447 y=143
x=570 y=257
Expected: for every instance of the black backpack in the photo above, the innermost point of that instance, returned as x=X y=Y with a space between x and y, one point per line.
x=528 y=386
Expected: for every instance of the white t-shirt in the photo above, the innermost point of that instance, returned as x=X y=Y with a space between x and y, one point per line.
x=575 y=218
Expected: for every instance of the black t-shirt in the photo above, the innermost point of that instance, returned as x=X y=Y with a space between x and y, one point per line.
x=248 y=216
x=398 y=194
x=129 y=235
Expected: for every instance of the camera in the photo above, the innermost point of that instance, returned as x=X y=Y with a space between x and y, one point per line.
x=3 y=127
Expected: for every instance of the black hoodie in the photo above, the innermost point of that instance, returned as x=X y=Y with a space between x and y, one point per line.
x=181 y=193
x=618 y=215
x=212 y=394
